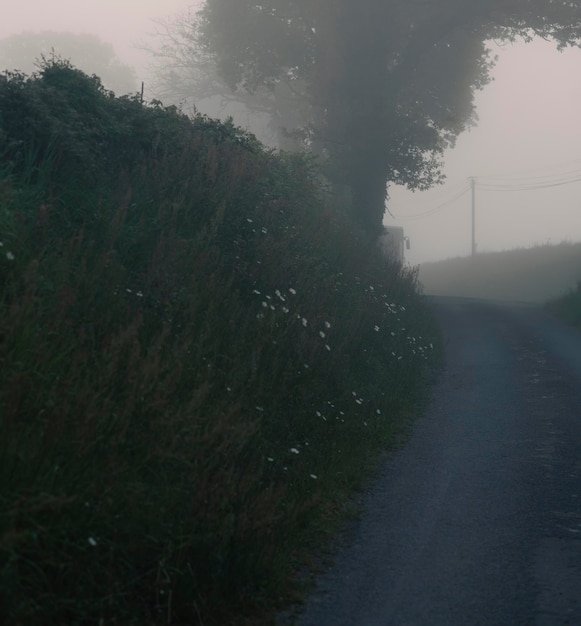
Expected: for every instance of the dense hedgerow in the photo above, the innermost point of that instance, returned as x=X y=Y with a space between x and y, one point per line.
x=198 y=360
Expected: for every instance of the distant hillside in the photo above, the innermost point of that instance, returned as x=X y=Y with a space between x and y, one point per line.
x=531 y=274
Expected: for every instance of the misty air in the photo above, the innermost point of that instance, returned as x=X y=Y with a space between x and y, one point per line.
x=290 y=312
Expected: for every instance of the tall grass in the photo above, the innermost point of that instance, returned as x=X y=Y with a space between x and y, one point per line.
x=568 y=306
x=198 y=361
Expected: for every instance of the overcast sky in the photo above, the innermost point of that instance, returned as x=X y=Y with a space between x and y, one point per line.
x=529 y=134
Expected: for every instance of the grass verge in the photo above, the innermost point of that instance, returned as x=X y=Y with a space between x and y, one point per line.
x=199 y=361
x=567 y=307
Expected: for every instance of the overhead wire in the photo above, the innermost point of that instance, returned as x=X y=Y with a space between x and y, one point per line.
x=567 y=173
x=465 y=186
x=503 y=183
x=531 y=184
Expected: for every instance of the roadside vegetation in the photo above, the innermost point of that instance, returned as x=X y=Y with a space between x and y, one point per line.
x=534 y=274
x=567 y=307
x=200 y=361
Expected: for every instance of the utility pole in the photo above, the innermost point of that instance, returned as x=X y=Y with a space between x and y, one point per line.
x=473 y=187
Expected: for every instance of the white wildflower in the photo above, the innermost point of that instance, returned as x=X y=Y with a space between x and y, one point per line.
x=321 y=334
x=294 y=451
x=376 y=328
x=259 y=408
x=313 y=476
x=291 y=290
x=327 y=325
x=327 y=347
x=92 y=541
x=304 y=322
x=270 y=459
x=256 y=292
x=10 y=256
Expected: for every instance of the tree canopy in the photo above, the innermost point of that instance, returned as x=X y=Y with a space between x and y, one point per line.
x=389 y=84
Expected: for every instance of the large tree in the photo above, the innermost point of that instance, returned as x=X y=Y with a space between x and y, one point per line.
x=389 y=83
x=185 y=73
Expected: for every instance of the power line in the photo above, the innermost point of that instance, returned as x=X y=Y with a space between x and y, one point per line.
x=502 y=183
x=531 y=186
x=505 y=180
x=440 y=207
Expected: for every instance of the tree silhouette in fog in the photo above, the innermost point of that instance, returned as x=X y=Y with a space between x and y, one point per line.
x=387 y=86
x=90 y=54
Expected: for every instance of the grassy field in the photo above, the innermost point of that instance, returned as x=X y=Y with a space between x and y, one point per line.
x=200 y=362
x=534 y=274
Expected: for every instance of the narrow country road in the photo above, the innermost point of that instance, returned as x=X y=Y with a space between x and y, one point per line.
x=477 y=519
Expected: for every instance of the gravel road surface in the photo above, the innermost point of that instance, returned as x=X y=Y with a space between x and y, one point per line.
x=477 y=519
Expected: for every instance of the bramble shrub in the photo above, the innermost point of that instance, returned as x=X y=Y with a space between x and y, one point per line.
x=199 y=361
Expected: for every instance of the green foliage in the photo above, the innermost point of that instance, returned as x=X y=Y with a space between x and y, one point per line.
x=198 y=360
x=390 y=84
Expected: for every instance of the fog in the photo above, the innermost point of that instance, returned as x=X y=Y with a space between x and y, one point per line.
x=529 y=134
x=124 y=23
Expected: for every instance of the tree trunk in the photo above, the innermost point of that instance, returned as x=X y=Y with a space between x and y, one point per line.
x=349 y=87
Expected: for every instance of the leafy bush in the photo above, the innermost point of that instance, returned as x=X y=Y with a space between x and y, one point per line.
x=199 y=360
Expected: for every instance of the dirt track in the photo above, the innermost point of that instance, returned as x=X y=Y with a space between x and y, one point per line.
x=477 y=520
